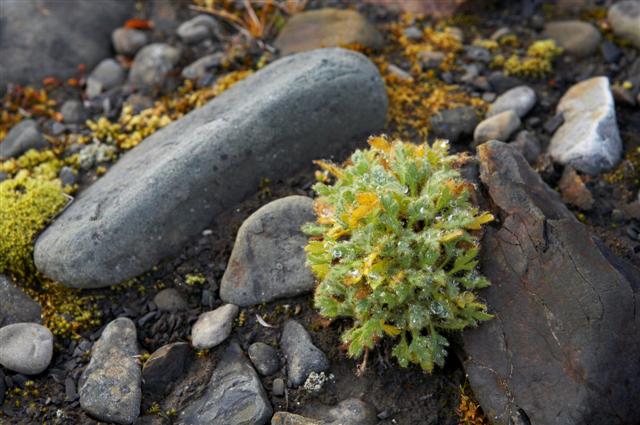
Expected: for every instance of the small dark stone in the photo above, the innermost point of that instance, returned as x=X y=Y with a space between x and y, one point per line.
x=15 y=305
x=73 y=111
x=3 y=176
x=2 y=387
x=22 y=137
x=164 y=366
x=170 y=299
x=552 y=124
x=533 y=121
x=278 y=387
x=302 y=356
x=67 y=176
x=610 y=52
x=70 y=389
x=454 y=124
x=413 y=33
x=528 y=144
x=501 y=82
x=265 y=358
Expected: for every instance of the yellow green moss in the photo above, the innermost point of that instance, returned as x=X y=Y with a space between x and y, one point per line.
x=195 y=279
x=28 y=204
x=537 y=63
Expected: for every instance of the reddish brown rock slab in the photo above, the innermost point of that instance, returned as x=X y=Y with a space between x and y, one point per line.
x=564 y=345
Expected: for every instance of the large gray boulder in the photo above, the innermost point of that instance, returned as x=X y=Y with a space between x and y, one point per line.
x=172 y=185
x=564 y=344
x=52 y=37
x=234 y=395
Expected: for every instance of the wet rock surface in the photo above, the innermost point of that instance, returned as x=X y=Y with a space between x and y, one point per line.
x=110 y=386
x=102 y=238
x=234 y=395
x=26 y=347
x=555 y=290
x=268 y=258
x=15 y=305
x=589 y=139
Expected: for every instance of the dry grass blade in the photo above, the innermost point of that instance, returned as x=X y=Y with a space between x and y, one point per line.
x=255 y=24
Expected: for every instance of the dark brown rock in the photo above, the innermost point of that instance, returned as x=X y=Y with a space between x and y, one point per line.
x=165 y=365
x=561 y=347
x=574 y=191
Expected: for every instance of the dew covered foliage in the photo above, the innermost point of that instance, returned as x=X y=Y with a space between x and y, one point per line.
x=394 y=249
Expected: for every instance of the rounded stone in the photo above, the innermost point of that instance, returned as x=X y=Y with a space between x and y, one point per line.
x=170 y=299
x=577 y=38
x=264 y=357
x=127 y=41
x=518 y=99
x=213 y=327
x=497 y=127
x=151 y=66
x=624 y=17
x=26 y=348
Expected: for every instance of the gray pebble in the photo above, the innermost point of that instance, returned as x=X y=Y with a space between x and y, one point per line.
x=26 y=348
x=213 y=327
x=22 y=137
x=264 y=357
x=302 y=356
x=170 y=299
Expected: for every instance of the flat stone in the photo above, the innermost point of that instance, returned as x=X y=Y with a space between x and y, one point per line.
x=264 y=357
x=234 y=395
x=110 y=385
x=528 y=145
x=574 y=191
x=213 y=327
x=151 y=66
x=501 y=82
x=624 y=17
x=268 y=258
x=327 y=27
x=278 y=387
x=170 y=299
x=589 y=139
x=127 y=41
x=15 y=305
x=26 y=348
x=104 y=77
x=208 y=161
x=302 y=356
x=518 y=99
x=51 y=37
x=565 y=307
x=163 y=368
x=497 y=127
x=22 y=137
x=577 y=38
x=455 y=125
x=199 y=28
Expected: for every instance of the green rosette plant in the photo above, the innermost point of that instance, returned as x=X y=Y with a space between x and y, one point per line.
x=394 y=249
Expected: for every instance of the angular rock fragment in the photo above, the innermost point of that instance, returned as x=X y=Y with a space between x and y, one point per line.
x=234 y=395
x=268 y=258
x=566 y=328
x=589 y=139
x=165 y=365
x=302 y=356
x=110 y=386
x=15 y=305
x=213 y=327
x=172 y=185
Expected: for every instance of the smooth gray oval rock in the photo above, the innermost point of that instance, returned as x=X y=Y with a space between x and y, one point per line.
x=234 y=395
x=588 y=139
x=127 y=41
x=21 y=138
x=107 y=75
x=51 y=37
x=519 y=99
x=268 y=258
x=213 y=327
x=170 y=299
x=302 y=356
x=172 y=185
x=26 y=348
x=110 y=386
x=198 y=29
x=15 y=305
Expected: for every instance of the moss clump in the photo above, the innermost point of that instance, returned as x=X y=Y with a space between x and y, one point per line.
x=394 y=249
x=537 y=63
x=27 y=204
